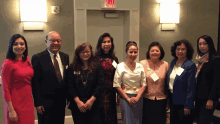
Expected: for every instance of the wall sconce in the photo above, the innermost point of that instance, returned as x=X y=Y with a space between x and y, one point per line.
x=33 y=14
x=169 y=15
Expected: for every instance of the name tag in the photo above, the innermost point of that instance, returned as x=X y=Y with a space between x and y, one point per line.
x=150 y=71
x=154 y=77
x=66 y=67
x=179 y=71
x=114 y=64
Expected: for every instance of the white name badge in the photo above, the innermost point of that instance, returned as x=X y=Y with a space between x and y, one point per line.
x=150 y=71
x=154 y=77
x=179 y=71
x=114 y=64
x=66 y=66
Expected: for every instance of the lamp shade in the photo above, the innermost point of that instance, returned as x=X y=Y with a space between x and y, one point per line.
x=33 y=10
x=169 y=13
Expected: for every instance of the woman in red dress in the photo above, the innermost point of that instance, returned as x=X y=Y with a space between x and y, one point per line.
x=16 y=75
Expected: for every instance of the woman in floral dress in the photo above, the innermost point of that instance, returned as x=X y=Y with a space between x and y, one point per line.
x=105 y=55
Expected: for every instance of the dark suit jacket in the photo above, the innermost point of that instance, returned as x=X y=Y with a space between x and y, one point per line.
x=184 y=85
x=95 y=86
x=47 y=91
x=208 y=80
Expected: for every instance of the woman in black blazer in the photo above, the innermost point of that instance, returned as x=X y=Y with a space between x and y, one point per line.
x=85 y=84
x=208 y=80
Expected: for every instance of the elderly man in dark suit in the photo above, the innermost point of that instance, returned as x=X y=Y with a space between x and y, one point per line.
x=48 y=83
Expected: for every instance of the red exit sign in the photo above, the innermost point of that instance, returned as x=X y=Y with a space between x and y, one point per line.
x=109 y=3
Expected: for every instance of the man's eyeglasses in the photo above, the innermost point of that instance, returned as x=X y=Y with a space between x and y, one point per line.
x=53 y=41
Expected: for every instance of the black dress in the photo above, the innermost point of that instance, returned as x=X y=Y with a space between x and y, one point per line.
x=109 y=110
x=78 y=86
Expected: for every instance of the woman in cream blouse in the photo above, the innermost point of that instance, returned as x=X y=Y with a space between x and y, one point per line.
x=154 y=108
x=130 y=81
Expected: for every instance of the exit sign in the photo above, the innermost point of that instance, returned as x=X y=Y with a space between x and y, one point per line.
x=108 y=4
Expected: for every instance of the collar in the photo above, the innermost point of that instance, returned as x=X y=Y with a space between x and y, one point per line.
x=52 y=54
x=174 y=62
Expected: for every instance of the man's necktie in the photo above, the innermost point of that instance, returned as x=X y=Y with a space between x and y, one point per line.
x=57 y=69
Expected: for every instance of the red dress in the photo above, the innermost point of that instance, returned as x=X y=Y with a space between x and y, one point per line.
x=16 y=87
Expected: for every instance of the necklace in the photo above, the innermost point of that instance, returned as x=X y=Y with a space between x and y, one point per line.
x=85 y=82
x=155 y=64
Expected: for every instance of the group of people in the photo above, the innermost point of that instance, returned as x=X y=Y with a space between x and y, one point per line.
x=89 y=84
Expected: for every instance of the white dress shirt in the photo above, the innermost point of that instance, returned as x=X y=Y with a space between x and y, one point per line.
x=131 y=80
x=173 y=76
x=58 y=60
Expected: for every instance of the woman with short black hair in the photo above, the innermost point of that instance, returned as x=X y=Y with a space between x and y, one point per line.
x=181 y=82
x=189 y=49
x=157 y=44
x=154 y=108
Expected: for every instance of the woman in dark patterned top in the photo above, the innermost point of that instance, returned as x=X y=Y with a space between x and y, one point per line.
x=105 y=55
x=85 y=86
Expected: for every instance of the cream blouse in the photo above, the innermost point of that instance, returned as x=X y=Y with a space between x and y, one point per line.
x=130 y=81
x=173 y=76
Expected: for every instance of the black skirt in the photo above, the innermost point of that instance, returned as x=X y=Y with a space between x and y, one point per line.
x=154 y=111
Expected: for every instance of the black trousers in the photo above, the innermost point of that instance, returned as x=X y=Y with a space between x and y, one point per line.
x=177 y=113
x=54 y=115
x=154 y=111
x=203 y=115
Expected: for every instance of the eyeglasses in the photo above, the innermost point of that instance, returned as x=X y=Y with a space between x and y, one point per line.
x=83 y=52
x=53 y=41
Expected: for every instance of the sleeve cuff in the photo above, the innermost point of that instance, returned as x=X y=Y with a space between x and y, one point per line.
x=116 y=85
x=7 y=99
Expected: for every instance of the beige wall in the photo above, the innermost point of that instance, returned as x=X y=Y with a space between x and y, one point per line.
x=197 y=17
x=63 y=23
x=10 y=24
